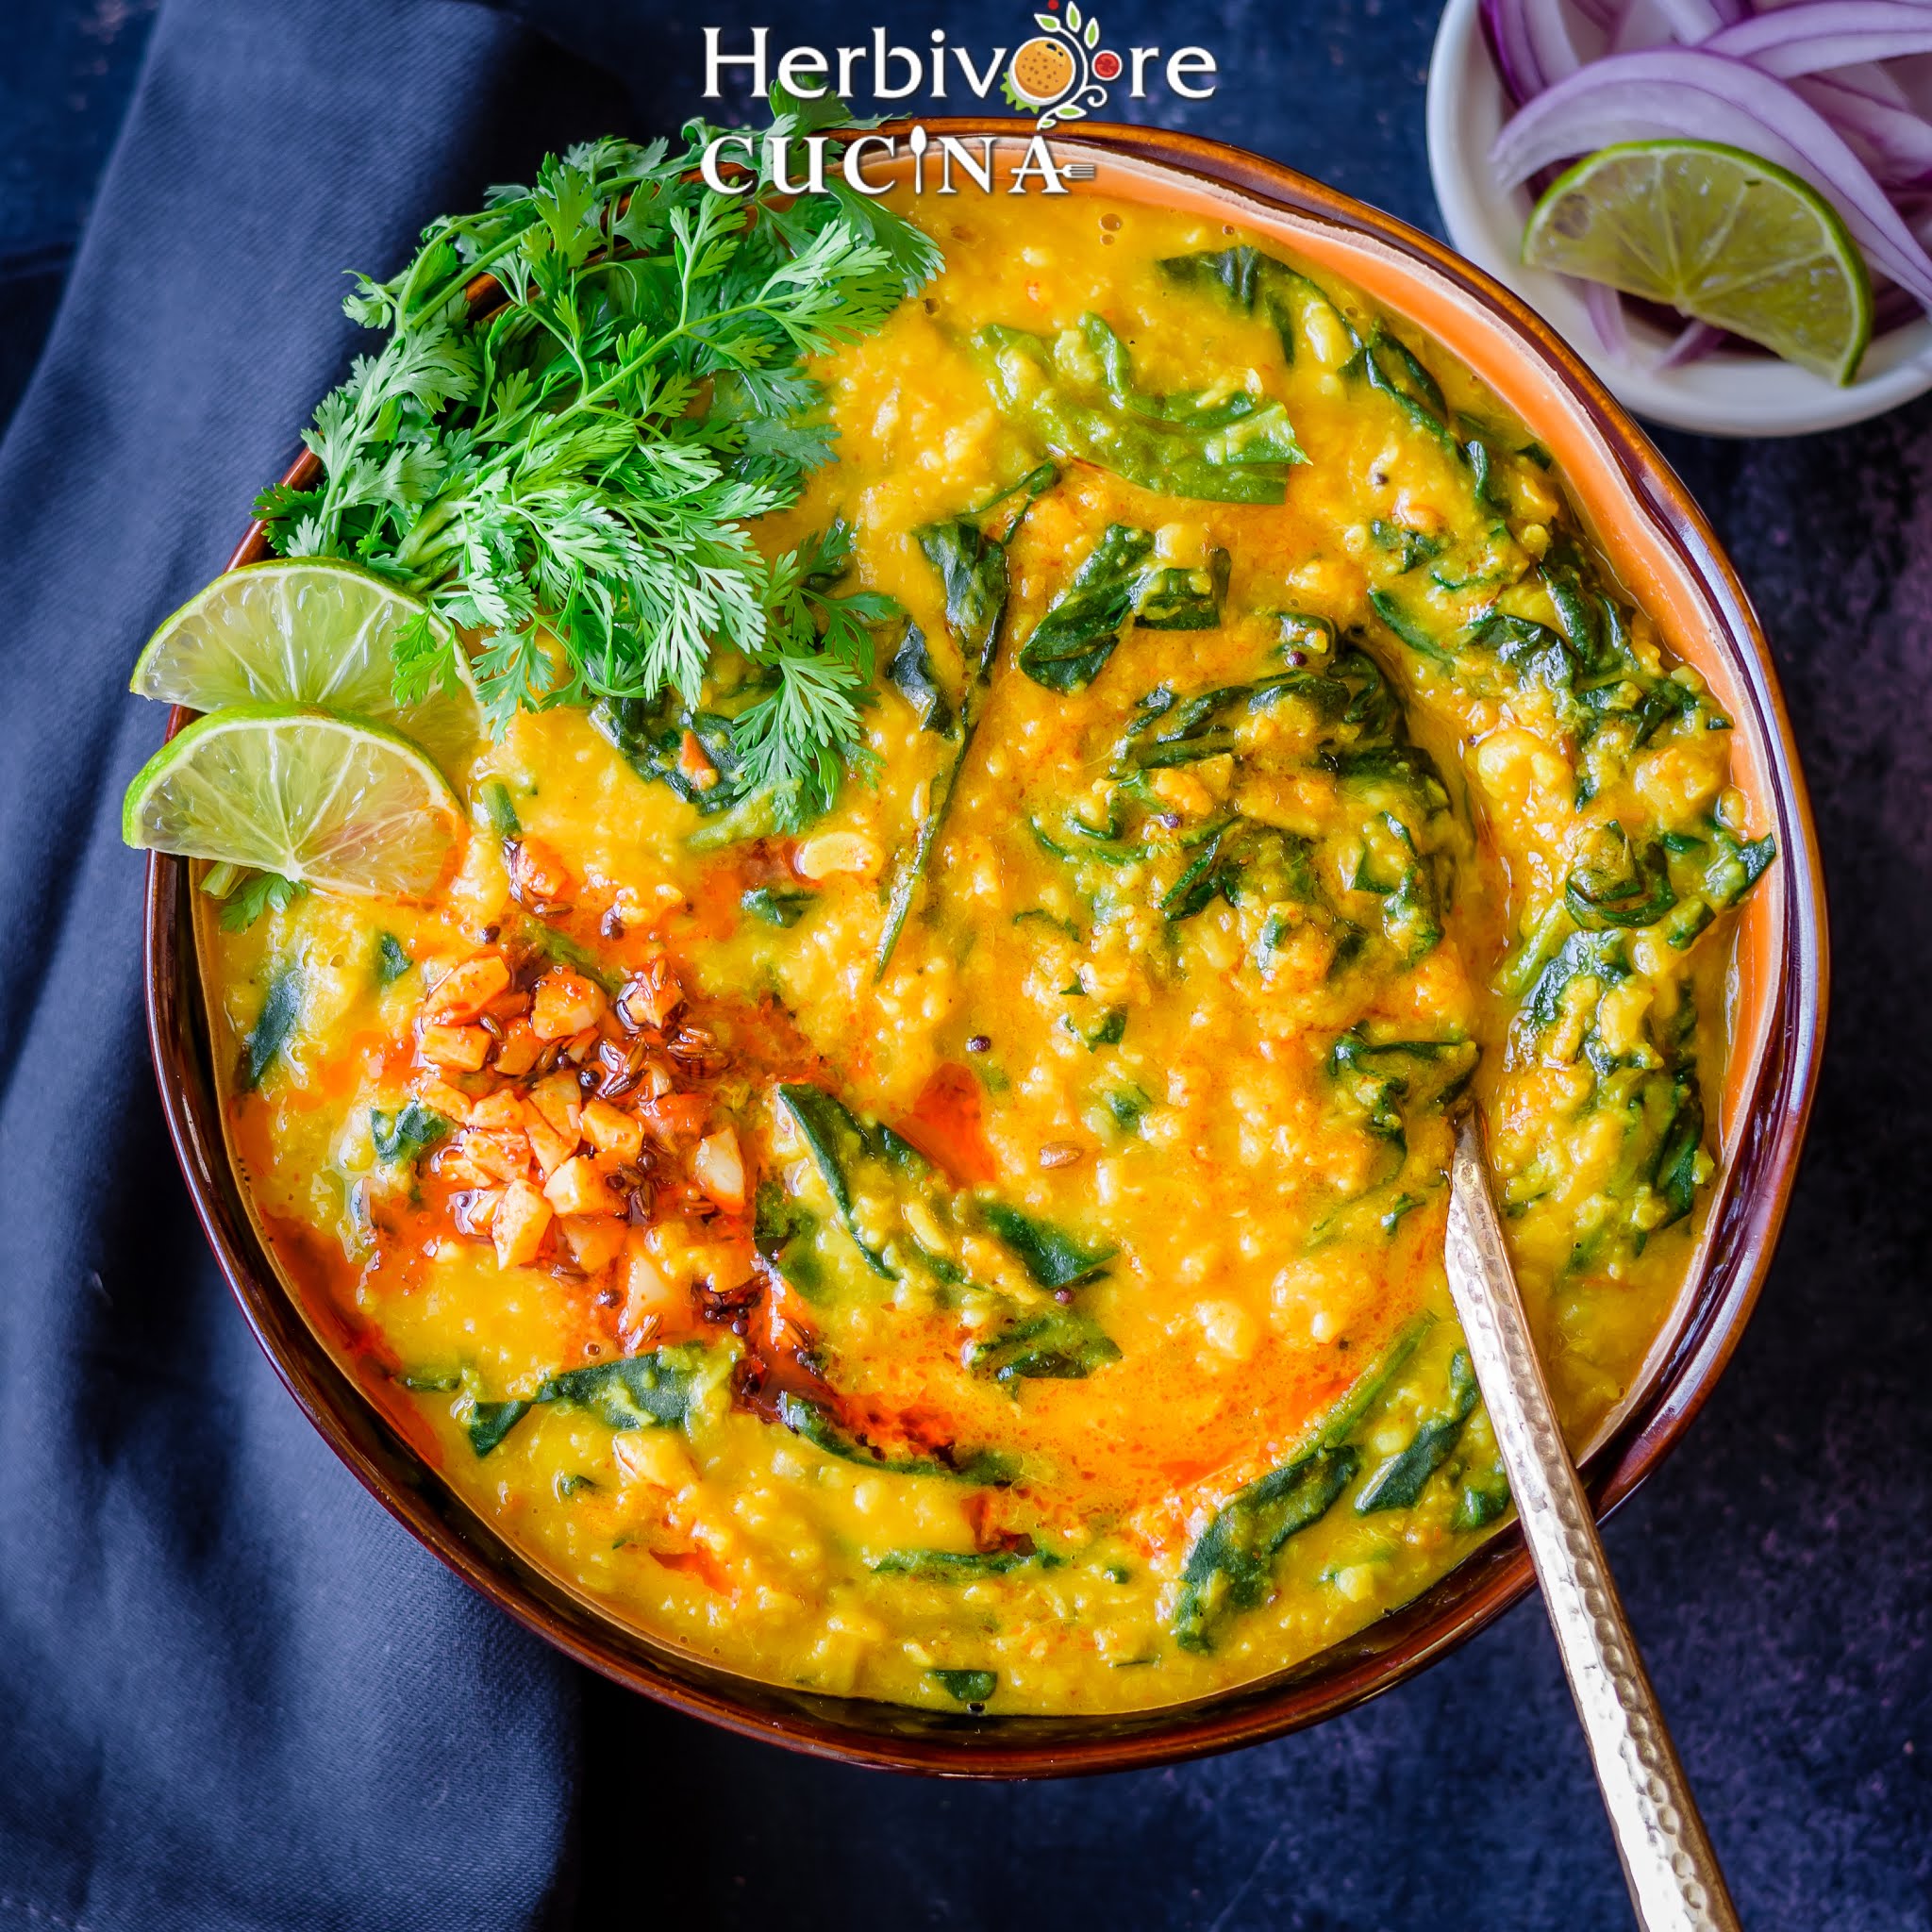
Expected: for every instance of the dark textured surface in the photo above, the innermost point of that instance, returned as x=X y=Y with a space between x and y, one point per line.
x=1778 y=1569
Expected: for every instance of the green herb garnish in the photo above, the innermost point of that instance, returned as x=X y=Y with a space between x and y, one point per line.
x=579 y=461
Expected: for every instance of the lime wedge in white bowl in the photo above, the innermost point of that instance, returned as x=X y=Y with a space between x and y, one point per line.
x=1733 y=393
x=1720 y=236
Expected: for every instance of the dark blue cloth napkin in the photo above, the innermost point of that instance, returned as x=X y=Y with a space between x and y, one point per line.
x=232 y=1691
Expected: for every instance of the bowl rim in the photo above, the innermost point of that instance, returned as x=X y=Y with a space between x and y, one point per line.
x=1745 y=1219
x=1726 y=394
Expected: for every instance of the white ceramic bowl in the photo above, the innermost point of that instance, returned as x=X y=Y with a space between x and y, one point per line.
x=1723 y=394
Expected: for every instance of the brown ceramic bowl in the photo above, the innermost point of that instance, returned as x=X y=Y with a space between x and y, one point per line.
x=1669 y=558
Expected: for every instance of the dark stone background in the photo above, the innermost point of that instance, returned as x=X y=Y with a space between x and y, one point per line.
x=1779 y=1569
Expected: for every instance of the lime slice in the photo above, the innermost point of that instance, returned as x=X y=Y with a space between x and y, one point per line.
x=304 y=631
x=334 y=802
x=1718 y=234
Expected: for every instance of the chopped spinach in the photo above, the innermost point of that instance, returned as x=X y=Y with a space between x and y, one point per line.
x=639 y=1392
x=837 y=1141
x=392 y=960
x=559 y=948
x=1483 y=1498
x=947 y=1566
x=1214 y=873
x=815 y=1423
x=1169 y=730
x=1050 y=1254
x=910 y=669
x=973 y=566
x=275 y=1025
x=1602 y=957
x=1056 y=1345
x=1626 y=884
x=650 y=736
x=1393 y=368
x=1593 y=624
x=1303 y=636
x=1369 y=1387
x=500 y=809
x=1411 y=900
x=1398 y=1483
x=1387 y=1083
x=1079 y=845
x=1083 y=623
x=407 y=1134
x=1257 y=283
x=1535 y=946
x=660 y=1389
x=489 y=1422
x=1412 y=548
x=1077 y=395
x=911 y=869
x=782 y=1231
x=1737 y=865
x=1678 y=1102
x=1231 y=1566
x=966 y=1687
x=1409 y=630
x=777 y=904
x=1117 y=580
x=1039 y=915
x=1242 y=859
x=1175 y=597
x=1481 y=459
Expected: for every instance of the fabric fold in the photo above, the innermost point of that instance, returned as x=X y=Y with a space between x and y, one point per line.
x=233 y=1692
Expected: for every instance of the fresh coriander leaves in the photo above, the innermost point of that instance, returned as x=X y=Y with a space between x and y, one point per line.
x=256 y=893
x=579 y=461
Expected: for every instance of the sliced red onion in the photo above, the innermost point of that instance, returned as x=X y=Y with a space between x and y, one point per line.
x=1691 y=343
x=1818 y=36
x=1869 y=77
x=1605 y=306
x=1701 y=96
x=1892 y=308
x=1601 y=13
x=1640 y=23
x=1696 y=19
x=1892 y=141
x=1912 y=77
x=1535 y=43
x=1643 y=23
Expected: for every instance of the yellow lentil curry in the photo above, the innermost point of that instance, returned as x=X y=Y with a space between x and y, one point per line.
x=981 y=1246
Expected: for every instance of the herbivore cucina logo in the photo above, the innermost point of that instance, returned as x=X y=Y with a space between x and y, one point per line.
x=1062 y=73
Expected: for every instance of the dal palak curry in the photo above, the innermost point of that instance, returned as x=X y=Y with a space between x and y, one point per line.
x=980 y=1244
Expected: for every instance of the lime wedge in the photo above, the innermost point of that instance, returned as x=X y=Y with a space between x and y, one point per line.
x=331 y=801
x=304 y=631
x=1718 y=234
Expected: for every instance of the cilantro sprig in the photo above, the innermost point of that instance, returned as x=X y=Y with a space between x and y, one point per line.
x=570 y=472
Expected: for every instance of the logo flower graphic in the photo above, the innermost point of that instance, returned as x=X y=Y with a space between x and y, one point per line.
x=1057 y=75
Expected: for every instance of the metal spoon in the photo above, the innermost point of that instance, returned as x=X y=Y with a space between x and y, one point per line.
x=1673 y=1873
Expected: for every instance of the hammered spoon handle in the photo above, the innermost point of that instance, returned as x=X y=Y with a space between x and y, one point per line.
x=1675 y=1884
